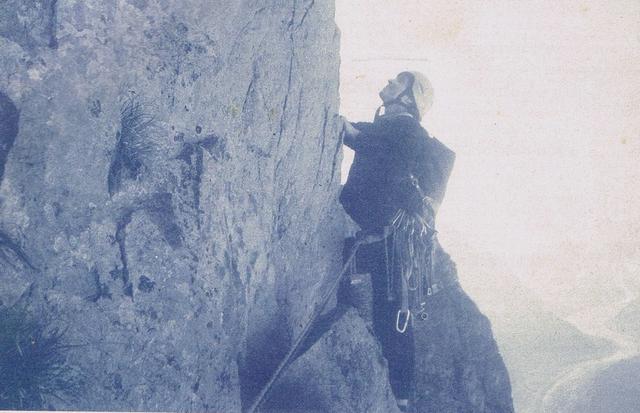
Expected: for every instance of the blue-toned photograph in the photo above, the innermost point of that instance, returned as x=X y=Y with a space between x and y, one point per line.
x=320 y=206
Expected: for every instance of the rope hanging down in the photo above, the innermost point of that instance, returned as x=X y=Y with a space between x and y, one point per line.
x=305 y=330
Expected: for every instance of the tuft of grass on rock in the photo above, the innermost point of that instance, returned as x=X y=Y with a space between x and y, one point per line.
x=135 y=126
x=33 y=362
x=134 y=144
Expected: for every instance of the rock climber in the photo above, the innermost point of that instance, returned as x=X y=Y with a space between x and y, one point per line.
x=395 y=186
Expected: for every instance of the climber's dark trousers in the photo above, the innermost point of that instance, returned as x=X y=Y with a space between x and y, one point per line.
x=398 y=348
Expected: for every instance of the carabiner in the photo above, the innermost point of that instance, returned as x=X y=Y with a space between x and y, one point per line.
x=415 y=285
x=406 y=321
x=423 y=311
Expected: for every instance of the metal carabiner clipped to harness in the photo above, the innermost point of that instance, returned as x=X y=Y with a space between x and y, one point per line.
x=406 y=321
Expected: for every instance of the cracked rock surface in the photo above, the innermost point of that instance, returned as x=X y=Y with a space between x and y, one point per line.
x=169 y=188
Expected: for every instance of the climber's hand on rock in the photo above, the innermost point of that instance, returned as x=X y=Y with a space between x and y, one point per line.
x=348 y=129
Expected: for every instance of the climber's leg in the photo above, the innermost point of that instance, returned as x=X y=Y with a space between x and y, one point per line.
x=398 y=348
x=401 y=357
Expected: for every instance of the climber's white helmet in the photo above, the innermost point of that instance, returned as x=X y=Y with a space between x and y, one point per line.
x=421 y=92
x=411 y=90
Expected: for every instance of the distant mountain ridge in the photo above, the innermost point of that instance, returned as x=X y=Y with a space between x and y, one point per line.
x=627 y=322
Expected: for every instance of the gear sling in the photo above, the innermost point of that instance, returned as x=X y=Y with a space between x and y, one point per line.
x=411 y=246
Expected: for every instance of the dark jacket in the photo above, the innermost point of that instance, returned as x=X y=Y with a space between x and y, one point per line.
x=387 y=153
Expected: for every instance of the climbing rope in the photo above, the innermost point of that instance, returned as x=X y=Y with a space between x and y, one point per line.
x=305 y=330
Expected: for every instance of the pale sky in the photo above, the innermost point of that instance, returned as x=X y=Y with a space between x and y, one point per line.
x=541 y=102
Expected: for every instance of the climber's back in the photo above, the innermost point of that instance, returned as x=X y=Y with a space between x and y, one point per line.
x=387 y=153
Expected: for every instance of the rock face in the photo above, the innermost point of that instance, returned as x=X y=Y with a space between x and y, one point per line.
x=169 y=176
x=344 y=372
x=172 y=184
x=459 y=368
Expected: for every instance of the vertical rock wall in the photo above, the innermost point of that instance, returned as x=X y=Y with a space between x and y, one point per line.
x=169 y=191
